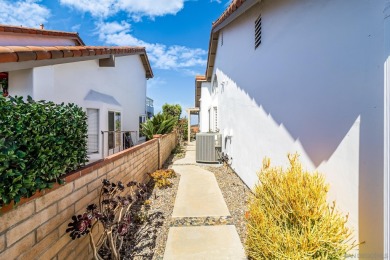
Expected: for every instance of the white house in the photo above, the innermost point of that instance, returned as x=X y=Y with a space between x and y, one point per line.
x=307 y=76
x=108 y=82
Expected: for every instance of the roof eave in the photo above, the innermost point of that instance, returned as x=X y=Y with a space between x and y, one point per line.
x=146 y=64
x=242 y=8
x=226 y=18
x=25 y=57
x=198 y=89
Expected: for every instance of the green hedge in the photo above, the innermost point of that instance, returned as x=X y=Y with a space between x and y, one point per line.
x=39 y=142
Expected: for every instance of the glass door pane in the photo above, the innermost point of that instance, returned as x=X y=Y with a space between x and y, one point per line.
x=93 y=130
x=117 y=129
x=111 y=129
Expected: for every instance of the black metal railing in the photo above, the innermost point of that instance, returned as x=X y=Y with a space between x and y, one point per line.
x=117 y=141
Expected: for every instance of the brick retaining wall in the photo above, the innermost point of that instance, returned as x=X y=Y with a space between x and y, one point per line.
x=36 y=228
x=167 y=144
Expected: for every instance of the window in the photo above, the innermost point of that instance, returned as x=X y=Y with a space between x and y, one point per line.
x=221 y=38
x=215 y=85
x=93 y=130
x=215 y=119
x=209 y=120
x=258 y=32
x=114 y=128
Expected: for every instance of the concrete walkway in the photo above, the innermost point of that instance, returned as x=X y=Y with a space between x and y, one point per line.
x=199 y=197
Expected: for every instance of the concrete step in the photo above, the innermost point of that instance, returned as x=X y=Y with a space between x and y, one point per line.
x=198 y=194
x=204 y=242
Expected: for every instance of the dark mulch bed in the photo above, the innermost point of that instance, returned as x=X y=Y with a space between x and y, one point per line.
x=149 y=232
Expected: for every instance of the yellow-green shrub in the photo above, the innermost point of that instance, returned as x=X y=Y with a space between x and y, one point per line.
x=160 y=178
x=289 y=217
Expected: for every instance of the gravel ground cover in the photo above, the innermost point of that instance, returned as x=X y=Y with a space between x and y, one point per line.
x=236 y=195
x=148 y=236
x=150 y=232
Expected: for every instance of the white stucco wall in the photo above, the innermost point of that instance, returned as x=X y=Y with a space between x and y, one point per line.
x=315 y=86
x=20 y=83
x=205 y=103
x=71 y=82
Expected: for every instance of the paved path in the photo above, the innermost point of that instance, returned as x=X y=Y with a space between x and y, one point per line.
x=199 y=196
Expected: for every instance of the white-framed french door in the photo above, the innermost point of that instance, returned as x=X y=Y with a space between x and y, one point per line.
x=114 y=132
x=93 y=131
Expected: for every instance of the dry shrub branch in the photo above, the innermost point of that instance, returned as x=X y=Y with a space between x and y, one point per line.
x=289 y=217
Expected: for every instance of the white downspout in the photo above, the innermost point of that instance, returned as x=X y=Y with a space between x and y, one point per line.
x=189 y=126
x=386 y=129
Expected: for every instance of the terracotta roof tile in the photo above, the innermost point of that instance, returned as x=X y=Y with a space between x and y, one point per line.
x=200 y=77
x=26 y=30
x=76 y=51
x=232 y=7
x=66 y=51
x=23 y=53
x=85 y=52
x=55 y=52
x=42 y=53
x=99 y=50
x=7 y=55
x=29 y=53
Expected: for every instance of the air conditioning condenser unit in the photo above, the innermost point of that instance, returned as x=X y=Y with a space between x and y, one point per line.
x=208 y=147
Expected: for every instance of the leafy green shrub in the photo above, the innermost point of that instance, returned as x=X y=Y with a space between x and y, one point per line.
x=159 y=124
x=39 y=142
x=182 y=129
x=161 y=178
x=289 y=217
x=172 y=110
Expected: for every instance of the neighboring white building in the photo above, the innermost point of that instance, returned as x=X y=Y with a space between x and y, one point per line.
x=108 y=82
x=149 y=108
x=306 y=76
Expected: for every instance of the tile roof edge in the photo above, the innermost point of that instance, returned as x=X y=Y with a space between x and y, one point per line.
x=234 y=5
x=35 y=31
x=216 y=26
x=36 y=53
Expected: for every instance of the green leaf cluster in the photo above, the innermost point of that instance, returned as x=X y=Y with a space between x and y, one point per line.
x=39 y=142
x=182 y=129
x=172 y=110
x=158 y=124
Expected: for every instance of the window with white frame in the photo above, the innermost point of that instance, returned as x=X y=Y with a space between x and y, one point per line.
x=210 y=120
x=214 y=87
x=93 y=130
x=114 y=128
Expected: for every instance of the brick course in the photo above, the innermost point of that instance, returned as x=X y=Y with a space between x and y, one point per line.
x=36 y=227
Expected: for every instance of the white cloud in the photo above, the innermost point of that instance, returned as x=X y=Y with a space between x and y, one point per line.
x=161 y=56
x=27 y=13
x=135 y=8
x=156 y=82
x=151 y=8
x=96 y=8
x=76 y=28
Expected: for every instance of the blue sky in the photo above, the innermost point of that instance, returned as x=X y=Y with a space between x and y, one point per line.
x=174 y=32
